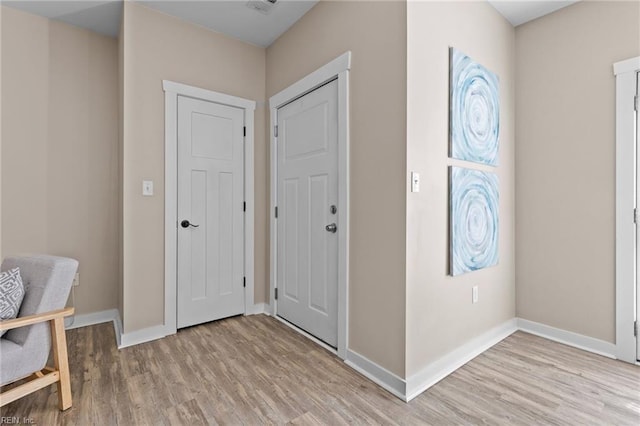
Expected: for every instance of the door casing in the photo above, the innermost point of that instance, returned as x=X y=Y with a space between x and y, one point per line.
x=626 y=343
x=172 y=90
x=338 y=68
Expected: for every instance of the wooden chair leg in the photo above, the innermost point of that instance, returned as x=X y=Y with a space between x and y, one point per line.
x=61 y=362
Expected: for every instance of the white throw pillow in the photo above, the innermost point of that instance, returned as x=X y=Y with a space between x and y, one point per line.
x=11 y=294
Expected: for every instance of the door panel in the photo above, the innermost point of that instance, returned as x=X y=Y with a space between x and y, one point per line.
x=290 y=239
x=307 y=185
x=318 y=204
x=198 y=247
x=210 y=197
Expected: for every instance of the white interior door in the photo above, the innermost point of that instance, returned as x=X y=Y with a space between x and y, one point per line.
x=308 y=224
x=210 y=211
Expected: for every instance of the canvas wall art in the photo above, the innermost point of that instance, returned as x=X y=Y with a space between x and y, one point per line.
x=474 y=221
x=474 y=111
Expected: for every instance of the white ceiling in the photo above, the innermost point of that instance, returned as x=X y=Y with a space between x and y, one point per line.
x=237 y=20
x=100 y=16
x=520 y=11
x=231 y=17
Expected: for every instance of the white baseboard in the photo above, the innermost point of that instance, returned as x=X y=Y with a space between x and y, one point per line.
x=141 y=336
x=258 y=308
x=569 y=338
x=377 y=374
x=84 y=320
x=117 y=328
x=160 y=331
x=124 y=340
x=446 y=365
x=403 y=389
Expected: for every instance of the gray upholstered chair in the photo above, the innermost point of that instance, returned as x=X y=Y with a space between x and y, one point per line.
x=25 y=348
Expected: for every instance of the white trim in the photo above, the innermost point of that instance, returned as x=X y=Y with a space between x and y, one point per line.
x=172 y=91
x=377 y=374
x=311 y=81
x=109 y=315
x=273 y=242
x=141 y=336
x=438 y=370
x=170 y=212
x=249 y=198
x=257 y=309
x=338 y=68
x=117 y=328
x=207 y=95
x=85 y=320
x=586 y=343
x=344 y=211
x=628 y=65
x=626 y=346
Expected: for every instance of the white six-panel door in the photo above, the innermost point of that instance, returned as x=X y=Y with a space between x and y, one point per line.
x=308 y=223
x=210 y=211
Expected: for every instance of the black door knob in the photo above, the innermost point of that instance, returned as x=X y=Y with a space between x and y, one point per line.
x=185 y=224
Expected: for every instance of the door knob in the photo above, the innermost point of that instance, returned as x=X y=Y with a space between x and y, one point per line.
x=331 y=228
x=185 y=224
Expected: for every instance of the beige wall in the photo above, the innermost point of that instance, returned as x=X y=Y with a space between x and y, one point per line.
x=59 y=162
x=440 y=315
x=565 y=161
x=375 y=32
x=157 y=47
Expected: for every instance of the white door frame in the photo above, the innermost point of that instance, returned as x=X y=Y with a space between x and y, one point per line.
x=625 y=72
x=338 y=68
x=171 y=92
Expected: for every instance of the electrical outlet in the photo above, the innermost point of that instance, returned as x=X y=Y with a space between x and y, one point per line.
x=474 y=294
x=76 y=280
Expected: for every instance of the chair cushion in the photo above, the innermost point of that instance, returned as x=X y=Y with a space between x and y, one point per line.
x=15 y=362
x=11 y=294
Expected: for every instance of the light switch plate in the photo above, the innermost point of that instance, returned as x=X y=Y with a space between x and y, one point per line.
x=147 y=188
x=415 y=182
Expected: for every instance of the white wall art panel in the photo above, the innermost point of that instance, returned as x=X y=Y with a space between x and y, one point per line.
x=475 y=111
x=474 y=198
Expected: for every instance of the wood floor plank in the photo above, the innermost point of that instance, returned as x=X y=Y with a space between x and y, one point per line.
x=254 y=370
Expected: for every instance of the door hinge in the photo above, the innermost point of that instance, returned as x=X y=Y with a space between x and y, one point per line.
x=275 y=130
x=244 y=206
x=244 y=131
x=635 y=215
x=635 y=328
x=244 y=281
x=635 y=103
x=276 y=212
x=276 y=294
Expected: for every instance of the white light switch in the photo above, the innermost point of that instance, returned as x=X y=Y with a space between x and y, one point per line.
x=474 y=294
x=415 y=182
x=147 y=188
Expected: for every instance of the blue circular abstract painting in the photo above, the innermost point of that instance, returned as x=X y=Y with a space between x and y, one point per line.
x=475 y=111
x=474 y=220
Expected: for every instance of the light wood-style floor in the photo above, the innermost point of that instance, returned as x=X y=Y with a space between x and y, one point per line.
x=255 y=370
